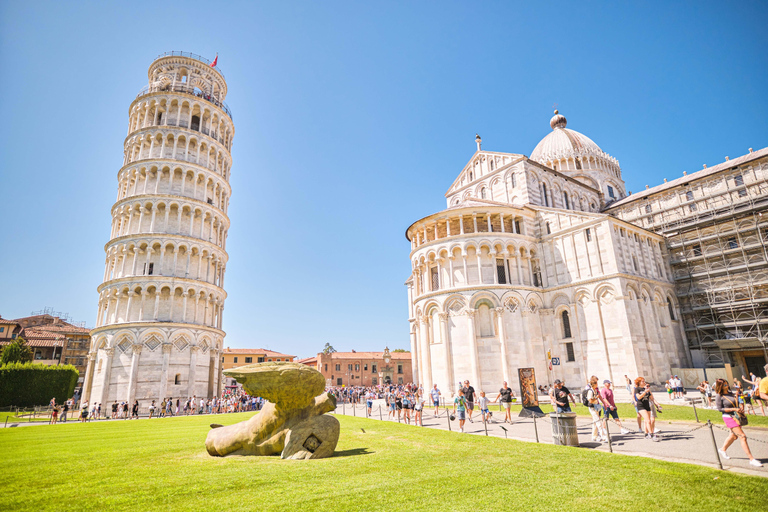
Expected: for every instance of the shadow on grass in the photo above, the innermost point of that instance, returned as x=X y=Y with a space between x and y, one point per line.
x=352 y=452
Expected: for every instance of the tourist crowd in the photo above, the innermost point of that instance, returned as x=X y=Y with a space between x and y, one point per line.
x=406 y=402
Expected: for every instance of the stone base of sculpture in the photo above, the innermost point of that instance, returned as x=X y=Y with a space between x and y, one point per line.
x=292 y=423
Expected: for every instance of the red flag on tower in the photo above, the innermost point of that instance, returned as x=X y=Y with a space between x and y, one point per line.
x=213 y=64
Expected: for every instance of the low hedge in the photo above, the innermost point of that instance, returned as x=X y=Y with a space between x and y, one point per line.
x=30 y=384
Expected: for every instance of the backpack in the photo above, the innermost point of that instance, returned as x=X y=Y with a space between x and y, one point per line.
x=584 y=399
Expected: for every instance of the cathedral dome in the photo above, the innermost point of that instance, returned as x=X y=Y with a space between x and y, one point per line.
x=563 y=143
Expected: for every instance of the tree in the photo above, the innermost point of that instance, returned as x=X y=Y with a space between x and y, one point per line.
x=328 y=349
x=400 y=350
x=16 y=352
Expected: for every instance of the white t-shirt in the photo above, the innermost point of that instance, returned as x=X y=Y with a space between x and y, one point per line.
x=435 y=394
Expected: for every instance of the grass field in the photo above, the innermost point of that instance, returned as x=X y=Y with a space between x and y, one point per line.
x=162 y=465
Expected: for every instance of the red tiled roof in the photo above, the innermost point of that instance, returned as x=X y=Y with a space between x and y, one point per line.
x=267 y=353
x=307 y=360
x=30 y=334
x=63 y=328
x=3 y=321
x=37 y=343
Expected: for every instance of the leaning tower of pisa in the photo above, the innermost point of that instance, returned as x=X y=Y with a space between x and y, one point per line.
x=159 y=324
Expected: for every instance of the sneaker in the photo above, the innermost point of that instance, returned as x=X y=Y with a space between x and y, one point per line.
x=655 y=438
x=647 y=436
x=656 y=430
x=723 y=454
x=470 y=420
x=755 y=462
x=624 y=431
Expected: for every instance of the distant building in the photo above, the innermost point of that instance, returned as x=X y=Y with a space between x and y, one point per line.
x=54 y=340
x=364 y=368
x=716 y=233
x=9 y=330
x=234 y=357
x=309 y=361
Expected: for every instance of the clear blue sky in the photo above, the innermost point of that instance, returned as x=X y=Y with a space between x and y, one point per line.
x=352 y=119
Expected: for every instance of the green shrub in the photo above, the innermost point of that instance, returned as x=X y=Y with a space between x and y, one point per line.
x=29 y=384
x=16 y=352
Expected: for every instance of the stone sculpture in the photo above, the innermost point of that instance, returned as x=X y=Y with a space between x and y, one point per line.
x=292 y=423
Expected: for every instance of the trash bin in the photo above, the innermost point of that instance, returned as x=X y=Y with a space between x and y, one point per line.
x=564 y=431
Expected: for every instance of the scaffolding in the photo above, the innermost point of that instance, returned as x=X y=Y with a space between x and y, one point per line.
x=716 y=232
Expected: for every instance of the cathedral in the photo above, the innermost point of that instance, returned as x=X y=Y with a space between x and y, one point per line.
x=524 y=268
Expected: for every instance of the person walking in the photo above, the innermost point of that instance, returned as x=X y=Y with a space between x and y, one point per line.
x=628 y=384
x=65 y=410
x=54 y=415
x=135 y=410
x=84 y=411
x=610 y=406
x=728 y=404
x=643 y=397
x=419 y=409
x=483 y=403
x=469 y=396
x=151 y=409
x=460 y=408
x=505 y=395
x=435 y=393
x=406 y=407
x=755 y=391
x=595 y=401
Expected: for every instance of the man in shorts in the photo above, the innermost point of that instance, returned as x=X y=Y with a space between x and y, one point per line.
x=505 y=395
x=469 y=396
x=610 y=406
x=435 y=394
x=391 y=398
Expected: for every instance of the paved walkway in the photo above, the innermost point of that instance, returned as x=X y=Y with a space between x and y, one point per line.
x=679 y=441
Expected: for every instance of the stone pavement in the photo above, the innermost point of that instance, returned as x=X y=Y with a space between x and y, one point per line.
x=678 y=441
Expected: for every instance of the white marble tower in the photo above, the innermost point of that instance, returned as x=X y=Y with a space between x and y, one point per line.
x=159 y=324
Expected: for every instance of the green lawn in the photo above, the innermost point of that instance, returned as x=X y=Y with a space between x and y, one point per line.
x=162 y=465
x=669 y=413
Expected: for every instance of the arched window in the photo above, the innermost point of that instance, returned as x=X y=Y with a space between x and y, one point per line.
x=566 y=325
x=471 y=176
x=567 y=204
x=491 y=164
x=671 y=309
x=544 y=191
x=177 y=379
x=482 y=193
x=514 y=181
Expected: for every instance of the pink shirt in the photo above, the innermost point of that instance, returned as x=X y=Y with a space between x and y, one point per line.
x=607 y=395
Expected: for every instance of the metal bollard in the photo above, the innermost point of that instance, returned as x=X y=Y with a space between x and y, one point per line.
x=343 y=407
x=380 y=418
x=354 y=410
x=714 y=445
x=448 y=419
x=695 y=413
x=535 y=428
x=485 y=424
x=608 y=434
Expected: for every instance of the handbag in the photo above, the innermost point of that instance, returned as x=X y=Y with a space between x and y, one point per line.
x=739 y=416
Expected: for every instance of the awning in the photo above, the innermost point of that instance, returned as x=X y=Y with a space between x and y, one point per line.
x=739 y=344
